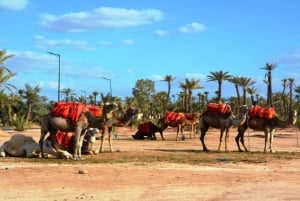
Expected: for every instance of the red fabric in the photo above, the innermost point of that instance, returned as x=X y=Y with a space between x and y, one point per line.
x=173 y=116
x=73 y=110
x=189 y=116
x=219 y=108
x=258 y=111
x=144 y=127
x=65 y=139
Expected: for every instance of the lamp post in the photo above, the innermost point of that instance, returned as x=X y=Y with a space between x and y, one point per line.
x=110 y=91
x=58 y=88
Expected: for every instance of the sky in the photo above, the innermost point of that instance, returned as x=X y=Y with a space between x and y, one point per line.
x=129 y=40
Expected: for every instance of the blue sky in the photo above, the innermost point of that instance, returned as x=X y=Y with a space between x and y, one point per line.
x=128 y=40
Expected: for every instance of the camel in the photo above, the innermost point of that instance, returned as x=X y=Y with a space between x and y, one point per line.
x=125 y=120
x=222 y=121
x=267 y=125
x=175 y=120
x=105 y=124
x=85 y=120
x=192 y=119
x=147 y=129
x=20 y=145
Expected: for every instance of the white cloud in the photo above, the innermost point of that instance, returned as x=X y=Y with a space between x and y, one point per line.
x=194 y=27
x=44 y=43
x=161 y=32
x=127 y=42
x=103 y=17
x=105 y=43
x=14 y=4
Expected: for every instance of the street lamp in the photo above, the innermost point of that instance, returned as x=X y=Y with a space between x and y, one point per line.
x=110 y=91
x=58 y=88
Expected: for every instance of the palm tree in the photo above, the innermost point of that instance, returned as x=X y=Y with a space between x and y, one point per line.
x=5 y=73
x=31 y=96
x=252 y=91
x=245 y=83
x=269 y=68
x=291 y=85
x=168 y=79
x=68 y=93
x=95 y=94
x=219 y=76
x=189 y=86
x=236 y=81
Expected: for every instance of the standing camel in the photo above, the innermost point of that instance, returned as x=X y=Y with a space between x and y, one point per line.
x=175 y=120
x=223 y=121
x=268 y=125
x=192 y=119
x=85 y=120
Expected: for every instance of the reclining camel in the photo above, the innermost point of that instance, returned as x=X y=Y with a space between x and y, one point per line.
x=147 y=129
x=20 y=145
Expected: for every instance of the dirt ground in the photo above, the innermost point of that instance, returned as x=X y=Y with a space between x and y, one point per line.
x=277 y=179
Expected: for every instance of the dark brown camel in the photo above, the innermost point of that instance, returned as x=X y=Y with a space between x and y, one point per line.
x=267 y=125
x=224 y=122
x=86 y=120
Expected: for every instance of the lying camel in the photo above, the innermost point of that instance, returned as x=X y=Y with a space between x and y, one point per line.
x=20 y=145
x=148 y=130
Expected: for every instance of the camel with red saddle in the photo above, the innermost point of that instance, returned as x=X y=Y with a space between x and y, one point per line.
x=77 y=118
x=264 y=119
x=219 y=116
x=177 y=120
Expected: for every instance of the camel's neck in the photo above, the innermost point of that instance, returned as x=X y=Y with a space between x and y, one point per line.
x=287 y=123
x=121 y=122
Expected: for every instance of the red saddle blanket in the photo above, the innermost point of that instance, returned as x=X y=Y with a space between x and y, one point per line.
x=144 y=127
x=258 y=111
x=221 y=108
x=173 y=116
x=73 y=110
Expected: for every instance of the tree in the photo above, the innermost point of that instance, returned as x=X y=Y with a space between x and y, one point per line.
x=68 y=93
x=168 y=79
x=245 y=83
x=31 y=97
x=269 y=68
x=218 y=76
x=236 y=81
x=189 y=86
x=5 y=73
x=143 y=91
x=95 y=94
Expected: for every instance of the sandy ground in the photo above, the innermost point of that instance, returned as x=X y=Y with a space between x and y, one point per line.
x=52 y=181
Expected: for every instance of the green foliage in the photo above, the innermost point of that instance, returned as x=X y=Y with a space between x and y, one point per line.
x=19 y=123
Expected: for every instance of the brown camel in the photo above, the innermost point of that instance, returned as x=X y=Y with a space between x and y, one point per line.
x=104 y=123
x=222 y=121
x=85 y=120
x=267 y=125
x=125 y=120
x=192 y=119
x=175 y=120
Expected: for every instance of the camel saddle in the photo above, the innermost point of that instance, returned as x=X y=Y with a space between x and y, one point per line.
x=144 y=127
x=220 y=108
x=173 y=116
x=73 y=110
x=261 y=112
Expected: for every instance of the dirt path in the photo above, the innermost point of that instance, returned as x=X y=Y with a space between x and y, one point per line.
x=223 y=180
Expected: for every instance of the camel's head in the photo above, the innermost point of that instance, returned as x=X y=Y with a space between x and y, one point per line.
x=109 y=108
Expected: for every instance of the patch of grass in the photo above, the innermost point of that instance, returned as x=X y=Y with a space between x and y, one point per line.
x=180 y=157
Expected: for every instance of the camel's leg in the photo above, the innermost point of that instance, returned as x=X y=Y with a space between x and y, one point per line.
x=226 y=139
x=240 y=137
x=203 y=132
x=271 y=139
x=221 y=138
x=102 y=138
x=266 y=131
x=110 y=138
x=178 y=128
